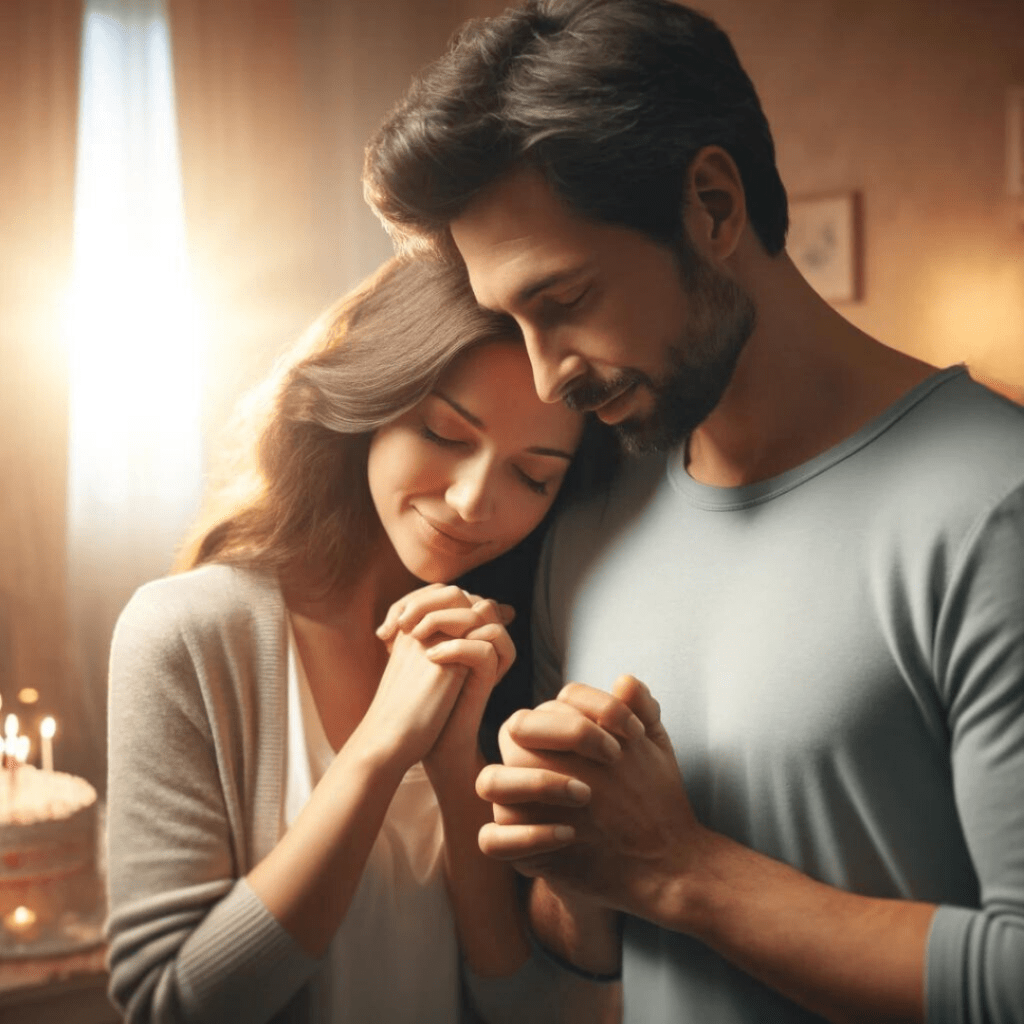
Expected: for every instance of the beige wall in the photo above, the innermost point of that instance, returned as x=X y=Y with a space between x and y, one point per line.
x=38 y=96
x=905 y=102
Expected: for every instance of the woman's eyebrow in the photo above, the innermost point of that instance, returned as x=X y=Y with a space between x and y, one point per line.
x=556 y=452
x=464 y=413
x=480 y=425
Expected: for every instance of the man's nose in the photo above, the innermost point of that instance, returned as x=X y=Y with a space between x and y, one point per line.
x=554 y=364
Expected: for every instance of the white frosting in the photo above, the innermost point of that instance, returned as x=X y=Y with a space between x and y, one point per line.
x=32 y=796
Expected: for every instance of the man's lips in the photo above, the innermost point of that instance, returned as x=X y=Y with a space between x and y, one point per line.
x=594 y=396
x=615 y=409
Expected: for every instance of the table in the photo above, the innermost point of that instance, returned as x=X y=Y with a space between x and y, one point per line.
x=70 y=989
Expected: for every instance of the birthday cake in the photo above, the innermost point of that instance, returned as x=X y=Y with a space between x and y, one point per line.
x=49 y=884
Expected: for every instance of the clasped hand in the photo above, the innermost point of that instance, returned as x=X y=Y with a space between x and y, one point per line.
x=448 y=649
x=590 y=797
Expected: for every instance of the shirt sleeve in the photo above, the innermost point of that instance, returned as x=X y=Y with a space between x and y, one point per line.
x=189 y=939
x=975 y=959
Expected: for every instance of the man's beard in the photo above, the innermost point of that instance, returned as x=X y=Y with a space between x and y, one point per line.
x=721 y=318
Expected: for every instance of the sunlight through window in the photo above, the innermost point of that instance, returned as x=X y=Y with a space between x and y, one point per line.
x=133 y=334
x=133 y=329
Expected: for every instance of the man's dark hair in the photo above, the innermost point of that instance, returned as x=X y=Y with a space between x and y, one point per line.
x=609 y=99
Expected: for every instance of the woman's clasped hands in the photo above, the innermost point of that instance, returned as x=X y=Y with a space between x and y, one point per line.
x=448 y=649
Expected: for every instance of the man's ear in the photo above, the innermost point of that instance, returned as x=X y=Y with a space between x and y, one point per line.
x=715 y=213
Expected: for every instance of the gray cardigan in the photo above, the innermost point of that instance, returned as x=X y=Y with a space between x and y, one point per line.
x=197 y=723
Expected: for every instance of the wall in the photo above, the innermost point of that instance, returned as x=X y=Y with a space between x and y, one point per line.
x=38 y=103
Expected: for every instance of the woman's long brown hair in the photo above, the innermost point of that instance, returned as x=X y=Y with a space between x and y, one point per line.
x=298 y=502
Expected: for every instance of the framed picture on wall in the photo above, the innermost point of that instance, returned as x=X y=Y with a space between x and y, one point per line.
x=824 y=243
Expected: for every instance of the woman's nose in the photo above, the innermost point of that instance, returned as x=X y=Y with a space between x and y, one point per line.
x=469 y=493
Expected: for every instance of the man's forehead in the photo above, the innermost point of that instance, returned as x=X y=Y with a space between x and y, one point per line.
x=514 y=234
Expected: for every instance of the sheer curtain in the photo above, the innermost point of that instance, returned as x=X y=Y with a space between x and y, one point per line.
x=134 y=337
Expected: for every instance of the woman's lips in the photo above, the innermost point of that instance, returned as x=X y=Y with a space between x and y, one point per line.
x=441 y=540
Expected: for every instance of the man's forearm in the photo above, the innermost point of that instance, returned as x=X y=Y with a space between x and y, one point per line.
x=849 y=958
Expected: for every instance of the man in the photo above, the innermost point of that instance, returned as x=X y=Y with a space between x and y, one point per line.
x=816 y=563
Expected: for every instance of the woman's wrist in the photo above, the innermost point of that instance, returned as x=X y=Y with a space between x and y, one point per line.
x=379 y=755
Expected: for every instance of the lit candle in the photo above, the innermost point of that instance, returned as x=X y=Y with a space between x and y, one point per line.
x=21 y=923
x=11 y=748
x=10 y=735
x=47 y=727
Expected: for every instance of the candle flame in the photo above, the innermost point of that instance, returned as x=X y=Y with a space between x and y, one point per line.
x=22 y=916
x=11 y=726
x=47 y=727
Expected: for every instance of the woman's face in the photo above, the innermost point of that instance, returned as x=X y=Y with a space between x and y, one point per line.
x=471 y=470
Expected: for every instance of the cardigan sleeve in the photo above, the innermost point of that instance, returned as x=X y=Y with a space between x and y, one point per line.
x=189 y=939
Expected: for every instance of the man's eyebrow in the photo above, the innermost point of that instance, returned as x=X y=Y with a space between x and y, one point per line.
x=480 y=425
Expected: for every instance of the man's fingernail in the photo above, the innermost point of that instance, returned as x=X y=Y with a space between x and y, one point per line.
x=563 y=833
x=610 y=748
x=579 y=791
x=635 y=728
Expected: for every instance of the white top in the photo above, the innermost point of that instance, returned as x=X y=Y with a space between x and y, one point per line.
x=394 y=957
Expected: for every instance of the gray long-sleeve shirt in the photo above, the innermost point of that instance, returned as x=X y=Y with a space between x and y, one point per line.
x=839 y=657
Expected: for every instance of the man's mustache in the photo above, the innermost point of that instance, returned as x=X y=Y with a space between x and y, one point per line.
x=590 y=394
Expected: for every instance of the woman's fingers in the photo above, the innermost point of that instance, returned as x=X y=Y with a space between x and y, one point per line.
x=450 y=621
x=496 y=634
x=414 y=605
x=478 y=656
x=440 y=608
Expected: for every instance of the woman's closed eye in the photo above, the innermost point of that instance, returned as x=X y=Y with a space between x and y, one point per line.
x=537 y=486
x=439 y=439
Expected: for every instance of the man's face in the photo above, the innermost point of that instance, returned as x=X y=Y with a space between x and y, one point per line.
x=614 y=322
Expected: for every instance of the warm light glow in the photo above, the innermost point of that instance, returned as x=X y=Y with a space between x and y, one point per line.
x=11 y=726
x=28 y=695
x=133 y=330
x=47 y=727
x=22 y=916
x=20 y=921
x=971 y=312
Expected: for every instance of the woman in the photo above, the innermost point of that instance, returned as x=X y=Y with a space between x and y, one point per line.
x=292 y=818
